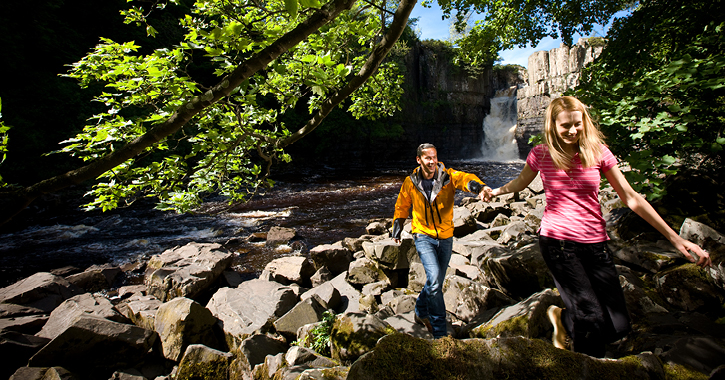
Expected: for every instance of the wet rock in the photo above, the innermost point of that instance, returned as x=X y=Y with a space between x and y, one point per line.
x=43 y=290
x=334 y=257
x=186 y=271
x=251 y=308
x=201 y=362
x=182 y=322
x=96 y=347
x=290 y=269
x=83 y=304
x=280 y=235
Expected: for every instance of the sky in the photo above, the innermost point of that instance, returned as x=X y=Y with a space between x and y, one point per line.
x=432 y=27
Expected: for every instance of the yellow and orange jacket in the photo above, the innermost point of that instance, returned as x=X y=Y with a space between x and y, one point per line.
x=434 y=216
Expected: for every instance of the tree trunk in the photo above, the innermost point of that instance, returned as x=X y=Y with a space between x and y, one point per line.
x=11 y=203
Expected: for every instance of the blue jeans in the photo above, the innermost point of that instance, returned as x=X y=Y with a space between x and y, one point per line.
x=435 y=255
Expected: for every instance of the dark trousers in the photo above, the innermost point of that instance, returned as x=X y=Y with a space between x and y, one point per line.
x=596 y=312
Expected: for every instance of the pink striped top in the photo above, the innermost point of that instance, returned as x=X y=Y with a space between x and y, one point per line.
x=572 y=197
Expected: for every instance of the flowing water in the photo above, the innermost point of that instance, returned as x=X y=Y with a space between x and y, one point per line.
x=323 y=205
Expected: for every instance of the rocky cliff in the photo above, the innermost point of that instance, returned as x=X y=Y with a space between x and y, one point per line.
x=550 y=73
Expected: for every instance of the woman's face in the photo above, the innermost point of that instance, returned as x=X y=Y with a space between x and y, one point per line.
x=569 y=127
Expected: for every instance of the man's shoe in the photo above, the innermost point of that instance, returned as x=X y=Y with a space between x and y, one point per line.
x=560 y=338
x=424 y=321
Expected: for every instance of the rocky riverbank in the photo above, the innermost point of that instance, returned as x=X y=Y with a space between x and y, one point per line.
x=190 y=316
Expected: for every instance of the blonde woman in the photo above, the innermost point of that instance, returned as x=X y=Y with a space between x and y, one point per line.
x=573 y=237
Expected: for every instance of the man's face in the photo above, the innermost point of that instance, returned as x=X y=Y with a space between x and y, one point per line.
x=428 y=162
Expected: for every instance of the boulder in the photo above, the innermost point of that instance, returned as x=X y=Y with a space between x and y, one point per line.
x=16 y=348
x=141 y=310
x=95 y=347
x=354 y=334
x=365 y=271
x=526 y=318
x=327 y=294
x=307 y=311
x=68 y=312
x=258 y=346
x=251 y=308
x=465 y=299
x=290 y=269
x=95 y=278
x=280 y=235
x=186 y=271
x=43 y=290
x=334 y=257
x=201 y=362
x=182 y=322
x=518 y=273
x=388 y=254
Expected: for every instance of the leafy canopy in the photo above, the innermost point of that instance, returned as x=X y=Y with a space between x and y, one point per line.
x=658 y=90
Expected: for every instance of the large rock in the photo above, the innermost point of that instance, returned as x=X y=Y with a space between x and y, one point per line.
x=181 y=322
x=354 y=334
x=390 y=255
x=186 y=271
x=290 y=269
x=68 y=312
x=96 y=347
x=518 y=273
x=334 y=257
x=403 y=357
x=526 y=318
x=465 y=299
x=307 y=311
x=250 y=308
x=43 y=290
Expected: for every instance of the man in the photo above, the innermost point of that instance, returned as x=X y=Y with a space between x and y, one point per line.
x=429 y=191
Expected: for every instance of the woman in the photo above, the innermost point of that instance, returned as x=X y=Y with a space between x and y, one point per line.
x=573 y=237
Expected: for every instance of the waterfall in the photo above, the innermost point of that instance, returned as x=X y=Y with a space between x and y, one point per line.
x=499 y=128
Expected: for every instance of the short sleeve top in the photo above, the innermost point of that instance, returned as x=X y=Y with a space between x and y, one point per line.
x=572 y=197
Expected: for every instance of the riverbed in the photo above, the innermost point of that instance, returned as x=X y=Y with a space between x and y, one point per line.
x=322 y=204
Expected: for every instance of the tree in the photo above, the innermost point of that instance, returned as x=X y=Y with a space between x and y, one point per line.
x=203 y=115
x=658 y=90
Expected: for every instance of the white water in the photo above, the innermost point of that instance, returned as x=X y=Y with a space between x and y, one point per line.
x=499 y=128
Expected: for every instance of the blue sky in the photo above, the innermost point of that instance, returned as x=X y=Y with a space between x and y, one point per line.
x=432 y=27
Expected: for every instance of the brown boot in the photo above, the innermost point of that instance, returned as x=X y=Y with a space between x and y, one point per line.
x=560 y=338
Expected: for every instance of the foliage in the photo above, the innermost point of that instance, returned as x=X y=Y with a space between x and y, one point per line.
x=220 y=149
x=510 y=23
x=319 y=337
x=658 y=91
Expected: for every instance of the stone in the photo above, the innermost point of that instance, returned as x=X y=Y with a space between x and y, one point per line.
x=290 y=269
x=201 y=362
x=334 y=257
x=307 y=311
x=96 y=347
x=186 y=271
x=465 y=299
x=182 y=322
x=526 y=318
x=68 y=312
x=251 y=308
x=280 y=235
x=363 y=329
x=327 y=294
x=43 y=290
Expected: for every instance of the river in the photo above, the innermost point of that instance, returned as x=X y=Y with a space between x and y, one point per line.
x=322 y=204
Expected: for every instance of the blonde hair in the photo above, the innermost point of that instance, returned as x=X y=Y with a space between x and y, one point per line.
x=589 y=142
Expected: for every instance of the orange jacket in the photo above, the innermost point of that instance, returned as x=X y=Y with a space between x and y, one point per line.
x=433 y=217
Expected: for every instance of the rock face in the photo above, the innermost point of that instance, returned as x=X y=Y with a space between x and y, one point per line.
x=550 y=73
